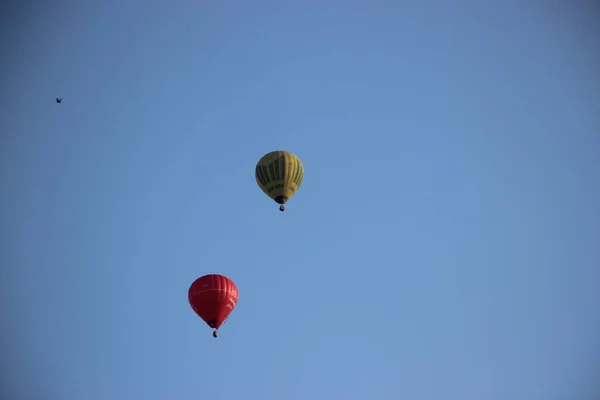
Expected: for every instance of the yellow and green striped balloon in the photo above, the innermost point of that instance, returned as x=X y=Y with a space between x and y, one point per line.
x=279 y=174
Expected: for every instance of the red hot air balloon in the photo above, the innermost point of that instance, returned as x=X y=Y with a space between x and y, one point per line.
x=213 y=297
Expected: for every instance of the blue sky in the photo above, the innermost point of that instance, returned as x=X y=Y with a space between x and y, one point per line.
x=444 y=244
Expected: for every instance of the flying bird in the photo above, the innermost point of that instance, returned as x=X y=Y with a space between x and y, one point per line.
x=59 y=99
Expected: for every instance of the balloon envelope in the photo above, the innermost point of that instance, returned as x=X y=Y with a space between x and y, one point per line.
x=213 y=297
x=279 y=174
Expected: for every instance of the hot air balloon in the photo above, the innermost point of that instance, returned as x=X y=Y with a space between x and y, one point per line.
x=279 y=174
x=213 y=297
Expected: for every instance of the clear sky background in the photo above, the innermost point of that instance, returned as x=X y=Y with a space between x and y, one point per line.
x=445 y=243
